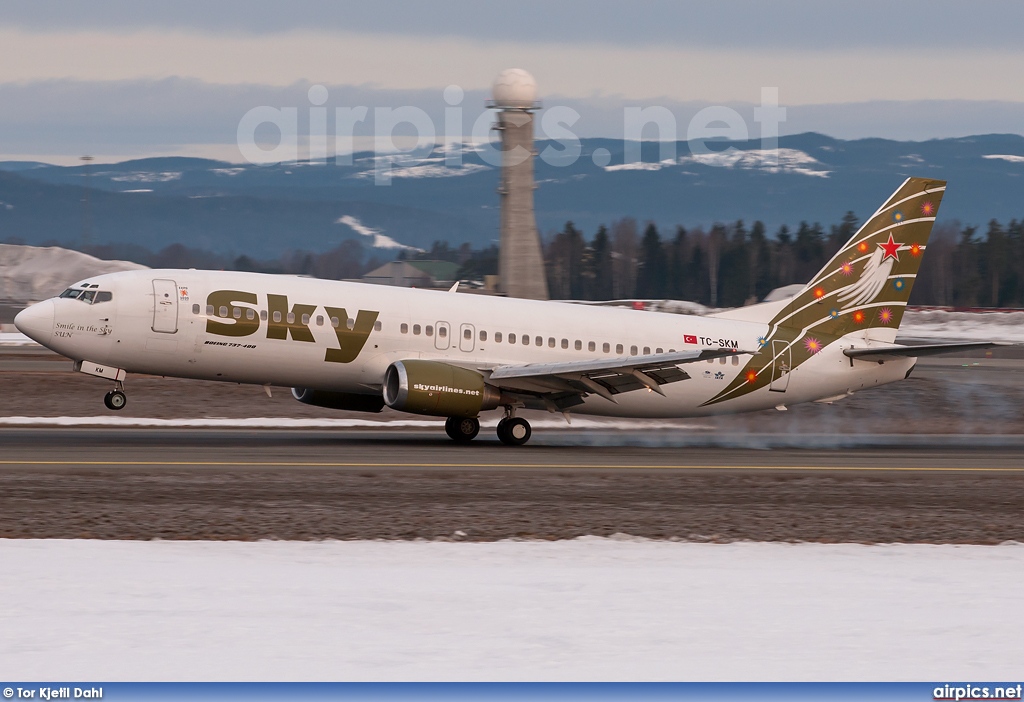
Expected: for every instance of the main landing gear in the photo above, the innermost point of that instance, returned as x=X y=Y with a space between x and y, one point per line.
x=512 y=430
x=116 y=399
x=462 y=429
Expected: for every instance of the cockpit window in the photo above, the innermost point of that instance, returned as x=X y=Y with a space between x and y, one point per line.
x=90 y=296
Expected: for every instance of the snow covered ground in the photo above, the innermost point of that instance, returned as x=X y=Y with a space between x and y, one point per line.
x=588 y=609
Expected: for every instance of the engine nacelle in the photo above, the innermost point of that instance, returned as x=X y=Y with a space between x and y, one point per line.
x=339 y=400
x=437 y=388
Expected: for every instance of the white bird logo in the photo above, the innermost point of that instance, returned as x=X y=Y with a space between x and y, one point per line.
x=870 y=283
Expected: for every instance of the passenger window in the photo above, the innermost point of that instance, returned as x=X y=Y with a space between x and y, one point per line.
x=467 y=333
x=526 y=339
x=319 y=320
x=335 y=322
x=416 y=329
x=223 y=311
x=618 y=348
x=551 y=342
x=195 y=308
x=430 y=330
x=565 y=343
x=404 y=328
x=497 y=337
x=442 y=331
x=291 y=318
x=721 y=359
x=236 y=312
x=647 y=350
x=483 y=336
x=250 y=314
x=350 y=323
x=377 y=326
x=104 y=296
x=659 y=351
x=263 y=315
x=579 y=345
x=305 y=319
x=735 y=360
x=591 y=346
x=209 y=310
x=277 y=316
x=606 y=347
x=671 y=350
x=511 y=338
x=633 y=350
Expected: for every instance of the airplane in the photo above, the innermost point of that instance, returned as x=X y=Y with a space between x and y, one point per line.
x=357 y=346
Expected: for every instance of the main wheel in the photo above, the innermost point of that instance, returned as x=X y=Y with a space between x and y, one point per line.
x=514 y=431
x=115 y=400
x=462 y=429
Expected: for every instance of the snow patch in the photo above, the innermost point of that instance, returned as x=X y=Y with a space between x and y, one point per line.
x=1005 y=157
x=963 y=326
x=640 y=166
x=768 y=160
x=227 y=171
x=15 y=339
x=331 y=423
x=587 y=609
x=380 y=240
x=147 y=177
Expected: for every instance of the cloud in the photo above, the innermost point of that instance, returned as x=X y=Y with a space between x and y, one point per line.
x=732 y=24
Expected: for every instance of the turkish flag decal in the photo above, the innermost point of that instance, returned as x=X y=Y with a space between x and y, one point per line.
x=689 y=339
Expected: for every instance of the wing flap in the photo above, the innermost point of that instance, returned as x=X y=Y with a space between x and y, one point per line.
x=605 y=376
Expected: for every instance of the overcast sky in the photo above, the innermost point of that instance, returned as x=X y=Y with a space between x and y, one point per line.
x=130 y=78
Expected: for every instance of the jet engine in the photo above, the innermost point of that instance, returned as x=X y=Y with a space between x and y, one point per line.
x=437 y=388
x=339 y=400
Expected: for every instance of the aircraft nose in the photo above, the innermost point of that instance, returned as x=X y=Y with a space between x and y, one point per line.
x=36 y=322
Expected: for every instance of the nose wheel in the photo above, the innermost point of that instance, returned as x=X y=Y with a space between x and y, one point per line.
x=514 y=431
x=115 y=400
x=462 y=429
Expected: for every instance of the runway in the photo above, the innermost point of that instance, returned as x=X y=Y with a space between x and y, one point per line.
x=245 y=485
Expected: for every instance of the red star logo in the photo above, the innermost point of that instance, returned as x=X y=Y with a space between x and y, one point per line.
x=891 y=248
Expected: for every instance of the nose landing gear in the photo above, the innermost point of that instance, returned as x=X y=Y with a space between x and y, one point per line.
x=116 y=399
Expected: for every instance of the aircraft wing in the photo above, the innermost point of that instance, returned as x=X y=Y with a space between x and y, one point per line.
x=606 y=377
x=894 y=351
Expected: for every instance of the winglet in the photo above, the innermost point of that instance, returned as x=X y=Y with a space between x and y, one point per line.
x=455 y=288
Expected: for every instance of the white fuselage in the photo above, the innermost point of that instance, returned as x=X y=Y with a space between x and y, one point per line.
x=162 y=329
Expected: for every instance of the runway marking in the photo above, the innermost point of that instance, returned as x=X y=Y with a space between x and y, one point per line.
x=652 y=466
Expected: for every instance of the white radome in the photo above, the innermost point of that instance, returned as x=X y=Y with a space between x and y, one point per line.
x=514 y=87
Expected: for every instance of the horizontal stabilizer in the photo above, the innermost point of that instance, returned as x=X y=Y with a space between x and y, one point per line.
x=889 y=353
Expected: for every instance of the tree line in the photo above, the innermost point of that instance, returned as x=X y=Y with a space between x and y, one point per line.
x=733 y=265
x=721 y=266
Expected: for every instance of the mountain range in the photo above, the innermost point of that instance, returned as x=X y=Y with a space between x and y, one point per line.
x=264 y=210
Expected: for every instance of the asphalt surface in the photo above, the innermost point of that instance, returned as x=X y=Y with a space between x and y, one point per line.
x=211 y=484
x=938 y=458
